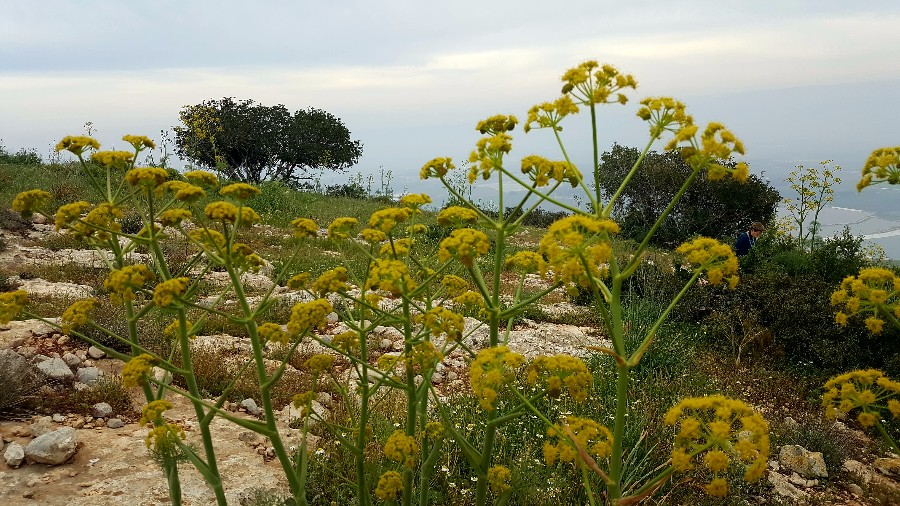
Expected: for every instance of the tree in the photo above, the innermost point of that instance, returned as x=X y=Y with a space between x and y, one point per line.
x=250 y=142
x=718 y=209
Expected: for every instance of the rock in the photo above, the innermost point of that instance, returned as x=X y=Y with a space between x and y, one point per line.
x=854 y=489
x=88 y=375
x=71 y=359
x=802 y=461
x=858 y=470
x=42 y=426
x=95 y=353
x=784 y=488
x=790 y=423
x=63 y=340
x=251 y=407
x=14 y=454
x=53 y=448
x=325 y=399
x=58 y=418
x=437 y=378
x=452 y=376
x=115 y=423
x=332 y=317
x=291 y=414
x=101 y=410
x=386 y=344
x=887 y=466
x=56 y=369
x=161 y=375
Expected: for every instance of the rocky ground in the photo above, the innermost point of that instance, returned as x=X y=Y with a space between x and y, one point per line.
x=99 y=459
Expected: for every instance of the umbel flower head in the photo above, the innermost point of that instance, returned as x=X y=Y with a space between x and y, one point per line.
x=710 y=255
x=716 y=431
x=27 y=202
x=77 y=144
x=550 y=114
x=113 y=159
x=11 y=304
x=589 y=435
x=541 y=171
x=139 y=142
x=874 y=292
x=559 y=374
x=306 y=315
x=77 y=314
x=442 y=321
x=437 y=167
x=493 y=369
x=465 y=245
x=389 y=275
x=340 y=228
x=577 y=247
x=390 y=486
x=386 y=220
x=136 y=371
x=591 y=83
x=456 y=217
x=869 y=393
x=402 y=448
x=883 y=165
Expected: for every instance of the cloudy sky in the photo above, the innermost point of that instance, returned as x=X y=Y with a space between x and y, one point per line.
x=798 y=81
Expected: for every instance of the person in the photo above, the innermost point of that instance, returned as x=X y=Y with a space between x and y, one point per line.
x=746 y=240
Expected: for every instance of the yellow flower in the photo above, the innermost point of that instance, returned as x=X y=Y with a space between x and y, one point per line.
x=11 y=303
x=592 y=437
x=456 y=216
x=882 y=166
x=592 y=83
x=415 y=200
x=710 y=255
x=306 y=315
x=347 y=341
x=136 y=371
x=298 y=281
x=173 y=217
x=716 y=461
x=390 y=486
x=541 y=171
x=305 y=227
x=437 y=167
x=681 y=460
x=165 y=293
x=152 y=411
x=202 y=177
x=558 y=372
x=874 y=324
x=164 y=440
x=874 y=291
x=147 y=177
x=499 y=478
x=208 y=238
x=434 y=430
x=184 y=192
x=122 y=282
x=319 y=363
x=239 y=191
x=527 y=262
x=373 y=236
x=389 y=275
x=77 y=144
x=340 y=227
x=113 y=159
x=272 y=333
x=386 y=219
x=442 y=321
x=492 y=369
x=139 y=142
x=69 y=213
x=402 y=448
x=331 y=281
x=465 y=245
x=575 y=241
x=27 y=202
x=77 y=314
x=221 y=211
x=717 y=488
x=454 y=285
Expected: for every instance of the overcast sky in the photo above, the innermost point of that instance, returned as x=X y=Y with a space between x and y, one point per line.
x=798 y=81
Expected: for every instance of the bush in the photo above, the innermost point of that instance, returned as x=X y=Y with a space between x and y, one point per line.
x=20 y=157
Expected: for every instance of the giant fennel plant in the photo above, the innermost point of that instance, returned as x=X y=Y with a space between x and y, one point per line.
x=424 y=295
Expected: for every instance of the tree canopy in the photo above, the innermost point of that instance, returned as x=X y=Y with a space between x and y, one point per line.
x=720 y=209
x=251 y=142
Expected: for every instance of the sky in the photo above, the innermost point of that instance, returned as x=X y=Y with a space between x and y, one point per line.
x=797 y=81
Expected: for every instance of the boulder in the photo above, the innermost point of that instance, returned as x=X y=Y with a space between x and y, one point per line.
x=802 y=461
x=14 y=454
x=52 y=448
x=88 y=375
x=57 y=369
x=101 y=410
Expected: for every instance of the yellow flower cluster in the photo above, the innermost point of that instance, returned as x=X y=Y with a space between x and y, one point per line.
x=402 y=448
x=415 y=200
x=558 y=372
x=438 y=167
x=434 y=430
x=244 y=259
x=492 y=369
x=212 y=240
x=147 y=177
x=592 y=83
x=306 y=315
x=488 y=155
x=550 y=114
x=469 y=300
x=717 y=259
x=423 y=357
x=123 y=282
x=386 y=219
x=76 y=144
x=373 y=236
x=99 y=223
x=202 y=177
x=305 y=227
x=575 y=243
x=340 y=227
x=667 y=114
x=239 y=191
x=173 y=217
x=497 y=124
x=718 y=426
x=875 y=291
x=869 y=391
x=465 y=245
x=442 y=321
x=11 y=303
x=331 y=281
x=319 y=363
x=454 y=285
x=227 y=212
x=69 y=213
x=136 y=371
x=499 y=478
x=390 y=486
x=416 y=229
x=27 y=202
x=589 y=435
x=389 y=275
x=304 y=399
x=174 y=328
x=152 y=411
x=541 y=171
x=113 y=159
x=165 y=293
x=184 y=192
x=347 y=341
x=456 y=216
x=77 y=314
x=140 y=142
x=164 y=439
x=527 y=262
x=298 y=281
x=272 y=333
x=883 y=165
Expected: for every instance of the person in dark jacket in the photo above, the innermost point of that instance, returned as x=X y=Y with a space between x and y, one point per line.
x=746 y=240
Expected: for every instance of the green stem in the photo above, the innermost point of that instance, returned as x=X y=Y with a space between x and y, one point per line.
x=615 y=465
